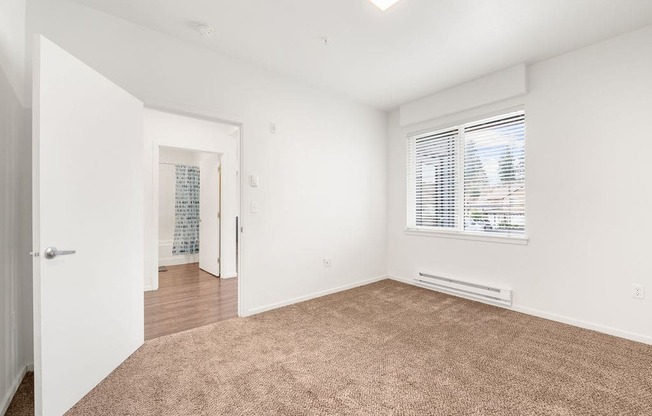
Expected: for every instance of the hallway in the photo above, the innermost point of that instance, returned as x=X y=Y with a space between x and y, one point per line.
x=188 y=298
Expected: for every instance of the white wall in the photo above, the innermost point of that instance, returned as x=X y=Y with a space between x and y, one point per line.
x=15 y=220
x=589 y=194
x=178 y=156
x=15 y=205
x=12 y=45
x=322 y=175
x=163 y=129
x=169 y=157
x=499 y=86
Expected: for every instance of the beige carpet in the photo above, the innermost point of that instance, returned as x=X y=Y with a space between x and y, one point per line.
x=383 y=349
x=23 y=402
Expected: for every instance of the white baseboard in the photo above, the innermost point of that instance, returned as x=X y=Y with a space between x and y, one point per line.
x=178 y=260
x=559 y=318
x=314 y=295
x=6 y=400
x=586 y=325
x=229 y=276
x=30 y=367
x=402 y=280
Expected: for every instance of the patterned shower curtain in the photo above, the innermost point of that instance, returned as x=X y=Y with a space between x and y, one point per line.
x=186 y=225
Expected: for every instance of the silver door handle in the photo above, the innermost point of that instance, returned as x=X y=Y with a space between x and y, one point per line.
x=52 y=252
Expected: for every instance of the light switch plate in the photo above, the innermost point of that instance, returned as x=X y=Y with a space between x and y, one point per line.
x=253 y=181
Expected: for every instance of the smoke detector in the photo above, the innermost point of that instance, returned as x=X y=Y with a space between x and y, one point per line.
x=205 y=30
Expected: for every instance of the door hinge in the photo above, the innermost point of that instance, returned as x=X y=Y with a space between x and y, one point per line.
x=219 y=215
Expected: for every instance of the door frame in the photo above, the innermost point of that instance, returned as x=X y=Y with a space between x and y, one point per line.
x=201 y=114
x=156 y=185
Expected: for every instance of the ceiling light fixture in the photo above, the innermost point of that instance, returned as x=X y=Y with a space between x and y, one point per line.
x=384 y=4
x=205 y=30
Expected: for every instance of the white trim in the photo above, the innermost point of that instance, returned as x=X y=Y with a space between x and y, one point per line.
x=157 y=103
x=459 y=177
x=178 y=260
x=460 y=144
x=6 y=400
x=404 y=280
x=149 y=288
x=632 y=336
x=460 y=235
x=314 y=295
x=229 y=276
x=175 y=260
x=461 y=119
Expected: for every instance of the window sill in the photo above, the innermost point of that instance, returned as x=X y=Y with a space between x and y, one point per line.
x=467 y=236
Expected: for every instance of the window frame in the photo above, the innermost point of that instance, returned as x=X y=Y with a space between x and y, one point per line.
x=458 y=232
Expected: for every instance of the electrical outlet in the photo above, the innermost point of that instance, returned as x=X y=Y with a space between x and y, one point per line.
x=327 y=262
x=272 y=128
x=638 y=291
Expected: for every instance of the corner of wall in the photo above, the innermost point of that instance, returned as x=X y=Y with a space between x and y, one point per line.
x=16 y=350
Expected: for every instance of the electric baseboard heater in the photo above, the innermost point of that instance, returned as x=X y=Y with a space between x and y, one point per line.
x=465 y=289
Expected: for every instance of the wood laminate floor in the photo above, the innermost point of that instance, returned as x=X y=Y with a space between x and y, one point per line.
x=188 y=298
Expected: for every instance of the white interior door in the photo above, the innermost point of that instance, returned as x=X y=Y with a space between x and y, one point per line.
x=209 y=212
x=88 y=197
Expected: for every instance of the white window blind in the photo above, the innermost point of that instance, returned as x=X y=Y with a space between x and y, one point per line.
x=469 y=178
x=494 y=175
x=433 y=170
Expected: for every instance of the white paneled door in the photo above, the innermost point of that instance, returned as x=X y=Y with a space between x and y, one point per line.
x=209 y=212
x=88 y=198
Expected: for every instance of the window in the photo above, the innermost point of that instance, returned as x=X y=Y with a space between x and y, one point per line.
x=469 y=178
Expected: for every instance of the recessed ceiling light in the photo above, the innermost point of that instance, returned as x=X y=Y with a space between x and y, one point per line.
x=384 y=4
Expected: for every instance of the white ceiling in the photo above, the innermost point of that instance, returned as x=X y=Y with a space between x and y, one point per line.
x=385 y=59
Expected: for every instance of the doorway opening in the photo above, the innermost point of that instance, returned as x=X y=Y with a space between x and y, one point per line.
x=195 y=195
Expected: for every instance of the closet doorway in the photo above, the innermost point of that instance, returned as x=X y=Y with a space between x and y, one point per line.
x=189 y=209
